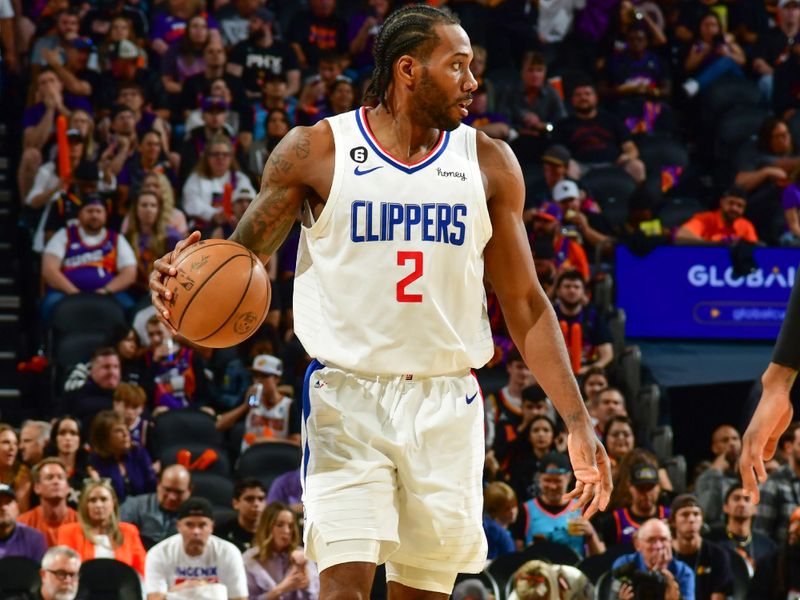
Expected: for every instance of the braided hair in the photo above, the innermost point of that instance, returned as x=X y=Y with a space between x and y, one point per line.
x=408 y=30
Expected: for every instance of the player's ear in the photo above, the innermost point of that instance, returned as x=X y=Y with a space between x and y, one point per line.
x=407 y=70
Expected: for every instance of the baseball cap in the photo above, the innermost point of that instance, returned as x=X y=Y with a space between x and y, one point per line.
x=124 y=49
x=783 y=3
x=211 y=103
x=82 y=43
x=268 y=365
x=566 y=189
x=243 y=191
x=682 y=501
x=74 y=134
x=120 y=108
x=270 y=76
x=556 y=155
x=94 y=199
x=555 y=463
x=196 y=507
x=549 y=211
x=644 y=474
x=264 y=14
x=7 y=490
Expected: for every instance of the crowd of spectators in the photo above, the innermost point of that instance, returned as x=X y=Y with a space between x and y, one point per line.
x=170 y=110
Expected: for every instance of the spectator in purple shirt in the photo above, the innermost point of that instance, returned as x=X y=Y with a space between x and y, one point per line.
x=170 y=25
x=114 y=456
x=287 y=488
x=17 y=539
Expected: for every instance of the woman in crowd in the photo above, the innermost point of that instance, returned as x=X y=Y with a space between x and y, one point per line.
x=621 y=496
x=66 y=444
x=125 y=339
x=204 y=191
x=99 y=532
x=277 y=126
x=151 y=157
x=618 y=438
x=160 y=184
x=595 y=381
x=149 y=234
x=712 y=55
x=185 y=58
x=533 y=443
x=114 y=456
x=84 y=123
x=13 y=471
x=276 y=566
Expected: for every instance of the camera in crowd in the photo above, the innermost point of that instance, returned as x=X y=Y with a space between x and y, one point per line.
x=647 y=585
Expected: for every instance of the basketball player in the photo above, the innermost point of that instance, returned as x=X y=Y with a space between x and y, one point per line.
x=403 y=208
x=774 y=411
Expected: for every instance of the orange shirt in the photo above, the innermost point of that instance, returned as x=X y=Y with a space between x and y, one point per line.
x=35 y=518
x=131 y=552
x=712 y=227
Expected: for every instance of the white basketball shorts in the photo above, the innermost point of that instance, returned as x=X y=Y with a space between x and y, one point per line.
x=392 y=465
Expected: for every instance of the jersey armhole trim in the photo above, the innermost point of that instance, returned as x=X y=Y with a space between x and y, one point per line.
x=320 y=225
x=477 y=177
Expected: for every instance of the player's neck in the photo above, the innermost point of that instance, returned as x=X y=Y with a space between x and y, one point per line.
x=398 y=134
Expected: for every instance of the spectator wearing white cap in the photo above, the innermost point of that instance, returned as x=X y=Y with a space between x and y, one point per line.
x=581 y=214
x=269 y=415
x=241 y=198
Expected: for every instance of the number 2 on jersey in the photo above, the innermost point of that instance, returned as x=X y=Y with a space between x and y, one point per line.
x=402 y=259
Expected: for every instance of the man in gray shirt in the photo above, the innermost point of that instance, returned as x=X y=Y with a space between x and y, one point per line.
x=156 y=514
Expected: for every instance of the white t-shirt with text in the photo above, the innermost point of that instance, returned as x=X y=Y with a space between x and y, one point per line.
x=167 y=565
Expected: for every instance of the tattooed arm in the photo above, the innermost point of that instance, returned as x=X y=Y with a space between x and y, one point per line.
x=268 y=219
x=300 y=168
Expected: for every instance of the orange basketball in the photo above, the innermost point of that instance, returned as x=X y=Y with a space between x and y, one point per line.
x=220 y=295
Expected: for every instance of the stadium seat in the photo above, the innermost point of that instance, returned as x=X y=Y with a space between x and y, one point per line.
x=603 y=294
x=188 y=425
x=616 y=325
x=662 y=443
x=646 y=407
x=658 y=151
x=630 y=374
x=677 y=211
x=737 y=127
x=727 y=93
x=267 y=461
x=19 y=576
x=551 y=551
x=676 y=469
x=503 y=567
x=485 y=578
x=612 y=187
x=168 y=456
x=81 y=313
x=215 y=488
x=108 y=579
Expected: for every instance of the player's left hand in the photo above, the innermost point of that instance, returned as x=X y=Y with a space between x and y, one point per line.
x=592 y=470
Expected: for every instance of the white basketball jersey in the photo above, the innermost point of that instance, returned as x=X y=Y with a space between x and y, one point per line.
x=389 y=278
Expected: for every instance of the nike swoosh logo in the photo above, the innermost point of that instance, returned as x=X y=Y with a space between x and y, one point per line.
x=358 y=171
x=471 y=398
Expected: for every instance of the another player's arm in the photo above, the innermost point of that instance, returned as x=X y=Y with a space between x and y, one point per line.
x=531 y=319
x=774 y=411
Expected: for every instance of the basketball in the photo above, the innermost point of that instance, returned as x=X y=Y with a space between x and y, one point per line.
x=220 y=295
